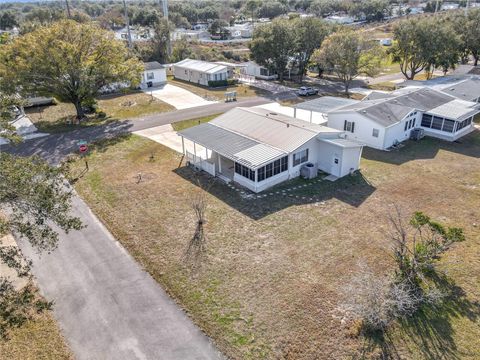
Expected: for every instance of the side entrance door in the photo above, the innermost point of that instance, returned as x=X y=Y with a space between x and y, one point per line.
x=336 y=165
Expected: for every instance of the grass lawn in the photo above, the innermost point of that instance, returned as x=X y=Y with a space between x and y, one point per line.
x=37 y=339
x=243 y=90
x=192 y=122
x=54 y=118
x=270 y=285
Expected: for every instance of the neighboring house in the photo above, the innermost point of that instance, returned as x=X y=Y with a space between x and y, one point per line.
x=154 y=74
x=233 y=68
x=258 y=149
x=199 y=72
x=316 y=110
x=251 y=68
x=383 y=120
x=464 y=87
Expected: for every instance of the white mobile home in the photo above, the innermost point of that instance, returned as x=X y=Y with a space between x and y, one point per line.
x=199 y=72
x=154 y=74
x=384 y=120
x=258 y=149
x=251 y=68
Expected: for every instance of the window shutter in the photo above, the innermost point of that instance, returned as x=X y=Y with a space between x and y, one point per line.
x=353 y=126
x=345 y=126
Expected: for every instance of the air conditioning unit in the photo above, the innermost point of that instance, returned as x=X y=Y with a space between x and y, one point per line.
x=309 y=171
x=417 y=134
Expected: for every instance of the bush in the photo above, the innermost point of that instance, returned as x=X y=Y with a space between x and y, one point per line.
x=222 y=83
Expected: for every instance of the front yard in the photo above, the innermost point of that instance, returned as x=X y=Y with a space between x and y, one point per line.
x=271 y=282
x=54 y=118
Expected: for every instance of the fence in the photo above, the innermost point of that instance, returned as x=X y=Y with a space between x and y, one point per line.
x=201 y=163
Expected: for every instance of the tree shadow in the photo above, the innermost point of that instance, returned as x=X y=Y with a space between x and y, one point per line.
x=430 y=329
x=427 y=148
x=352 y=190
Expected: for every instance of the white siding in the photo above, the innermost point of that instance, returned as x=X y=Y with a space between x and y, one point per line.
x=363 y=131
x=159 y=77
x=198 y=77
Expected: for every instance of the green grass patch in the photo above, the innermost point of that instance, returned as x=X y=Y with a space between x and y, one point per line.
x=185 y=124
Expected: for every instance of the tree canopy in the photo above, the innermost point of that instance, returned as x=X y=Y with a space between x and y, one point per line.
x=347 y=54
x=67 y=60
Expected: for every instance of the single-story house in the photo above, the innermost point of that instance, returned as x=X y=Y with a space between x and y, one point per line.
x=154 y=74
x=251 y=68
x=258 y=149
x=199 y=72
x=384 y=120
x=316 y=110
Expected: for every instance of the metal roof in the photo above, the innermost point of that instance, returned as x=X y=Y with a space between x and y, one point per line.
x=456 y=109
x=343 y=143
x=277 y=130
x=390 y=111
x=201 y=66
x=254 y=136
x=234 y=146
x=325 y=104
x=153 y=65
x=468 y=89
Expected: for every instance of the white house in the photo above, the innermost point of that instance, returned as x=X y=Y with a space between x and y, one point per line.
x=316 y=110
x=257 y=148
x=383 y=120
x=154 y=74
x=199 y=72
x=251 y=68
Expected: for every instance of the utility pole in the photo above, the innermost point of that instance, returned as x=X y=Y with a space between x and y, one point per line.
x=127 y=21
x=68 y=9
x=436 y=6
x=164 y=4
x=466 y=7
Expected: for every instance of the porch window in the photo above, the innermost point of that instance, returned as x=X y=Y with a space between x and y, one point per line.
x=448 y=125
x=150 y=76
x=245 y=171
x=464 y=123
x=426 y=120
x=274 y=168
x=300 y=157
x=375 y=133
x=437 y=123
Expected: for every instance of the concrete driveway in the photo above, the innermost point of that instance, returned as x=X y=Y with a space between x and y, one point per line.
x=178 y=97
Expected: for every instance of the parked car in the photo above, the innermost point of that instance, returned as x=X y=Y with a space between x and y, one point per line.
x=307 y=91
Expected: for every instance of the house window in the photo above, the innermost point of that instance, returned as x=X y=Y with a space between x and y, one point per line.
x=375 y=132
x=426 y=120
x=263 y=72
x=349 y=126
x=245 y=171
x=186 y=73
x=274 y=168
x=300 y=157
x=150 y=76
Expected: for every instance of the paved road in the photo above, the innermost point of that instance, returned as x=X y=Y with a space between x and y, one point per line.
x=107 y=306
x=56 y=146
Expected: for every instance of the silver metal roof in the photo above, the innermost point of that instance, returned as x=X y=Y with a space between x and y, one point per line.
x=325 y=104
x=234 y=146
x=201 y=66
x=279 y=131
x=344 y=143
x=456 y=110
x=254 y=136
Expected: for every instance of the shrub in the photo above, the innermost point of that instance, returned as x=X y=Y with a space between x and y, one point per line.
x=222 y=83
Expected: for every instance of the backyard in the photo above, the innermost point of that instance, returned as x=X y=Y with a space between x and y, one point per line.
x=54 y=118
x=272 y=279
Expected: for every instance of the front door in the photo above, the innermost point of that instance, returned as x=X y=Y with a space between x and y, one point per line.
x=336 y=165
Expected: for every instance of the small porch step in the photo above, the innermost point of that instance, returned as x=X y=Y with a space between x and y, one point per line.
x=224 y=178
x=331 y=177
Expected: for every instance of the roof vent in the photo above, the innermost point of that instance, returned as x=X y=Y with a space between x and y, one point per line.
x=451 y=89
x=364 y=111
x=288 y=125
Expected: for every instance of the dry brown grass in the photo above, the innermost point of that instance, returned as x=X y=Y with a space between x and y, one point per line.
x=270 y=285
x=37 y=339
